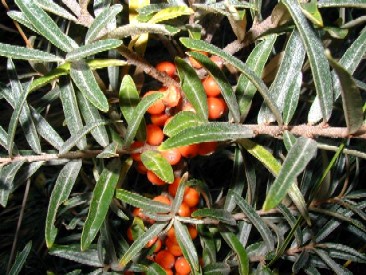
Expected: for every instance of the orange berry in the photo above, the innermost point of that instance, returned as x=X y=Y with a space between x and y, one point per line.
x=134 y=146
x=211 y=87
x=157 y=246
x=166 y=67
x=194 y=63
x=168 y=271
x=173 y=247
x=173 y=156
x=184 y=210
x=171 y=97
x=165 y=259
x=182 y=266
x=191 y=197
x=207 y=148
x=171 y=233
x=158 y=107
x=140 y=167
x=217 y=60
x=159 y=119
x=154 y=135
x=216 y=107
x=172 y=188
x=129 y=234
x=189 y=151
x=151 y=242
x=162 y=199
x=154 y=179
x=192 y=231
x=137 y=212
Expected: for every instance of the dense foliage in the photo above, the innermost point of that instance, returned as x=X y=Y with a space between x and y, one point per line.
x=183 y=137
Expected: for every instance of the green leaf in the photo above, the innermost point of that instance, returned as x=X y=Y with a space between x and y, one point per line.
x=217 y=268
x=7 y=175
x=129 y=97
x=138 y=114
x=185 y=243
x=225 y=87
x=142 y=202
x=257 y=82
x=170 y=13
x=20 y=18
x=17 y=52
x=192 y=88
x=349 y=251
x=101 y=21
x=245 y=90
x=292 y=222
x=52 y=7
x=298 y=157
x=337 y=269
x=20 y=259
x=310 y=9
x=155 y=269
x=140 y=28
x=221 y=215
x=45 y=25
x=140 y=243
x=93 y=48
x=292 y=99
x=155 y=162
x=351 y=97
x=255 y=219
x=84 y=79
x=71 y=110
x=68 y=144
x=72 y=252
x=99 y=205
x=342 y=4
x=239 y=249
x=318 y=62
x=283 y=85
x=91 y=115
x=3 y=138
x=212 y=131
x=181 y=121
x=60 y=193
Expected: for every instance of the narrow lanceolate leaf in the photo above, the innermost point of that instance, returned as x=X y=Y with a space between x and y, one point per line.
x=20 y=259
x=155 y=269
x=291 y=221
x=318 y=62
x=212 y=131
x=181 y=121
x=233 y=241
x=99 y=205
x=337 y=269
x=245 y=90
x=227 y=91
x=52 y=7
x=140 y=28
x=142 y=202
x=292 y=99
x=3 y=138
x=45 y=25
x=170 y=13
x=351 y=97
x=129 y=97
x=73 y=140
x=187 y=246
x=155 y=162
x=17 y=52
x=242 y=67
x=20 y=18
x=93 y=48
x=138 y=114
x=101 y=21
x=342 y=4
x=192 y=88
x=71 y=110
x=140 y=243
x=287 y=74
x=216 y=268
x=25 y=117
x=64 y=183
x=7 y=175
x=298 y=157
x=221 y=215
x=72 y=253
x=84 y=79
x=256 y=220
x=90 y=115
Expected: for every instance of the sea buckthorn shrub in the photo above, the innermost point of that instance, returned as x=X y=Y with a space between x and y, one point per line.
x=182 y=137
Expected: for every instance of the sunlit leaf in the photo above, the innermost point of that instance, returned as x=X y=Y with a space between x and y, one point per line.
x=52 y=7
x=140 y=28
x=155 y=162
x=93 y=48
x=342 y=4
x=170 y=13
x=216 y=214
x=181 y=121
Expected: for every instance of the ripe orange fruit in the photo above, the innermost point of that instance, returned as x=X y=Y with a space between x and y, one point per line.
x=194 y=63
x=165 y=259
x=217 y=60
x=216 y=107
x=191 y=197
x=207 y=148
x=151 y=242
x=173 y=247
x=173 y=156
x=182 y=266
x=192 y=231
x=211 y=87
x=171 y=97
x=157 y=245
x=171 y=233
x=189 y=151
x=140 y=167
x=158 y=107
x=173 y=187
x=154 y=135
x=184 y=210
x=136 y=145
x=129 y=234
x=168 y=271
x=162 y=199
x=154 y=179
x=159 y=119
x=166 y=67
